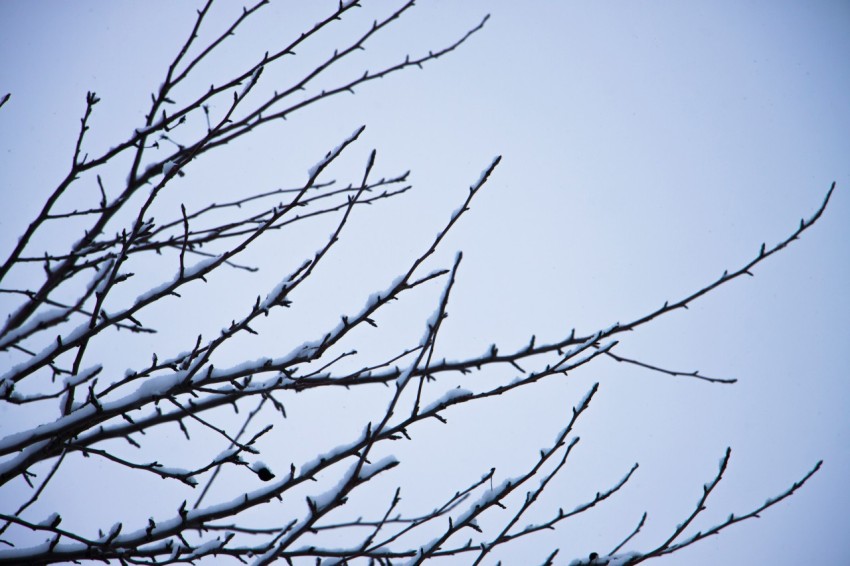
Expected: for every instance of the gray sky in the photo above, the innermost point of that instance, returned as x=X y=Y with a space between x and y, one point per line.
x=647 y=147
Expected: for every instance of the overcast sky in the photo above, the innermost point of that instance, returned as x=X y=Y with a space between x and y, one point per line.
x=647 y=147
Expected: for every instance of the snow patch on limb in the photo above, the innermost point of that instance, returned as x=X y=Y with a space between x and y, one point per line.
x=152 y=387
x=24 y=554
x=31 y=326
x=243 y=368
x=188 y=273
x=198 y=267
x=448 y=396
x=275 y=295
x=331 y=155
x=485 y=173
x=74 y=380
x=373 y=300
x=370 y=470
x=486 y=499
x=113 y=532
x=310 y=467
x=421 y=552
x=431 y=325
x=7 y=385
x=586 y=399
x=401 y=380
x=327 y=499
x=46 y=353
x=610 y=329
x=181 y=473
x=23 y=456
x=567 y=362
x=252 y=81
x=614 y=560
x=620 y=559
x=428 y=333
x=376 y=298
x=227 y=454
x=51 y=521
x=208 y=547
x=592 y=354
x=146 y=130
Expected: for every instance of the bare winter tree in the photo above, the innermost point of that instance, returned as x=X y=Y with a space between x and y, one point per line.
x=230 y=502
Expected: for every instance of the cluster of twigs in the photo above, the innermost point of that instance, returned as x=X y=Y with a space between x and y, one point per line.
x=96 y=406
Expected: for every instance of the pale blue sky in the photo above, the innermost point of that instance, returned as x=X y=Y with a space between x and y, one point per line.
x=647 y=147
